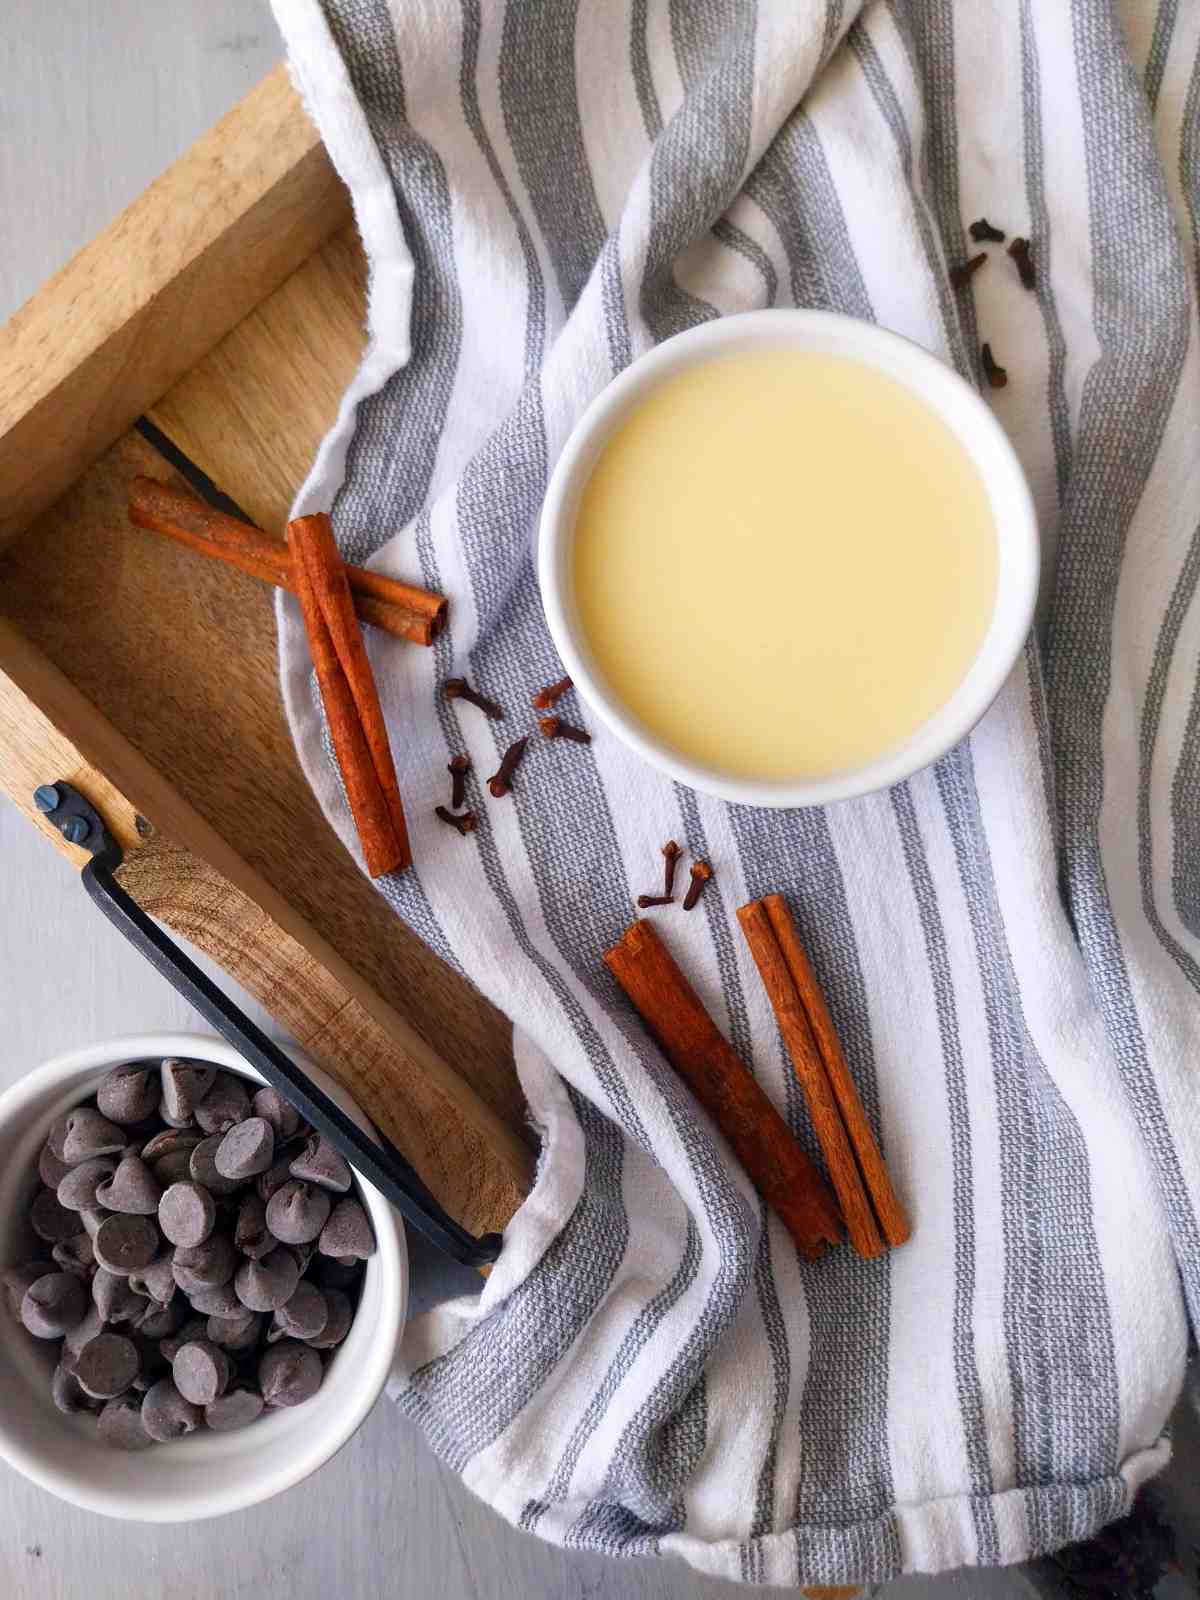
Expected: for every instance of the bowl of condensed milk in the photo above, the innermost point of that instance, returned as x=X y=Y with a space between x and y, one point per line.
x=788 y=557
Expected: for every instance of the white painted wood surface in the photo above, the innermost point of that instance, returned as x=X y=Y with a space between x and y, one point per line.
x=96 y=97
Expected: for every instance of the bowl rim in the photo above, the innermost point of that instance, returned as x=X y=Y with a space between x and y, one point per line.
x=971 y=420
x=16 y=1103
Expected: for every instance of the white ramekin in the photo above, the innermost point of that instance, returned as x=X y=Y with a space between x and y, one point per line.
x=963 y=411
x=206 y=1474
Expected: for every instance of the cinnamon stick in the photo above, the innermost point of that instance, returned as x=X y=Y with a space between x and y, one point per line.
x=348 y=692
x=814 y=1080
x=688 y=1037
x=893 y=1220
x=398 y=608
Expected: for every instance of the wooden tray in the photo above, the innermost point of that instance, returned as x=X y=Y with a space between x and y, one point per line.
x=227 y=305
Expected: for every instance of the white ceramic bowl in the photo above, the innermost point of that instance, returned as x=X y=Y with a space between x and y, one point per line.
x=963 y=411
x=205 y=1474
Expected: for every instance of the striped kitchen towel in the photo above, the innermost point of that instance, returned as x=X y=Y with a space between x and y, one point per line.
x=1010 y=941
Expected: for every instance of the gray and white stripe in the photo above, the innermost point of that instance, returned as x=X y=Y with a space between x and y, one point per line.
x=1010 y=943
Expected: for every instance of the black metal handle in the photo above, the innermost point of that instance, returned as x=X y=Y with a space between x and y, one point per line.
x=381 y=1164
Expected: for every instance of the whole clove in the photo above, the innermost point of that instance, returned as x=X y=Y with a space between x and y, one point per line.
x=701 y=873
x=671 y=854
x=500 y=783
x=961 y=275
x=995 y=374
x=556 y=728
x=458 y=768
x=551 y=694
x=465 y=823
x=983 y=230
x=460 y=689
x=1022 y=253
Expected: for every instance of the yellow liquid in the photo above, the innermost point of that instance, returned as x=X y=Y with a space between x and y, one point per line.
x=784 y=563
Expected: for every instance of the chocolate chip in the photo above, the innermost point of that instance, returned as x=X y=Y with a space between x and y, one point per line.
x=225 y=1103
x=246 y=1150
x=183 y=1084
x=205 y=1265
x=180 y=1124
x=289 y=1374
x=80 y=1335
x=280 y=1170
x=204 y=1167
x=114 y=1299
x=133 y=1189
x=348 y=1232
x=166 y=1414
x=66 y=1393
x=201 y=1371
x=216 y=1300
x=107 y=1366
x=121 y=1425
x=77 y=1191
x=57 y=1139
x=50 y=1220
x=157 y=1280
x=51 y=1170
x=193 y=1328
x=117 y=1167
x=140 y=1133
x=170 y=1142
x=159 y=1321
x=126 y=1244
x=236 y=1333
x=251 y=1235
x=76 y=1255
x=154 y=1365
x=320 y=1163
x=340 y=1314
x=89 y=1134
x=175 y=1168
x=128 y=1094
x=280 y=1113
x=17 y=1279
x=186 y=1214
x=267 y=1284
x=298 y=1212
x=304 y=1254
x=53 y=1304
x=331 y=1273
x=93 y=1219
x=303 y=1317
x=239 y=1405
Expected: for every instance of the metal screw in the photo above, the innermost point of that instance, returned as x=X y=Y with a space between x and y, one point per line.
x=46 y=798
x=76 y=829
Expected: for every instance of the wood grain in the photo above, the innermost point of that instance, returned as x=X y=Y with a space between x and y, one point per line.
x=197 y=885
x=179 y=655
x=156 y=290
x=474 y=1170
x=254 y=410
x=181 y=658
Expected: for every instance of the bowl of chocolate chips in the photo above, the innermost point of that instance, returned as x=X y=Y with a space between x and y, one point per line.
x=200 y=1301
